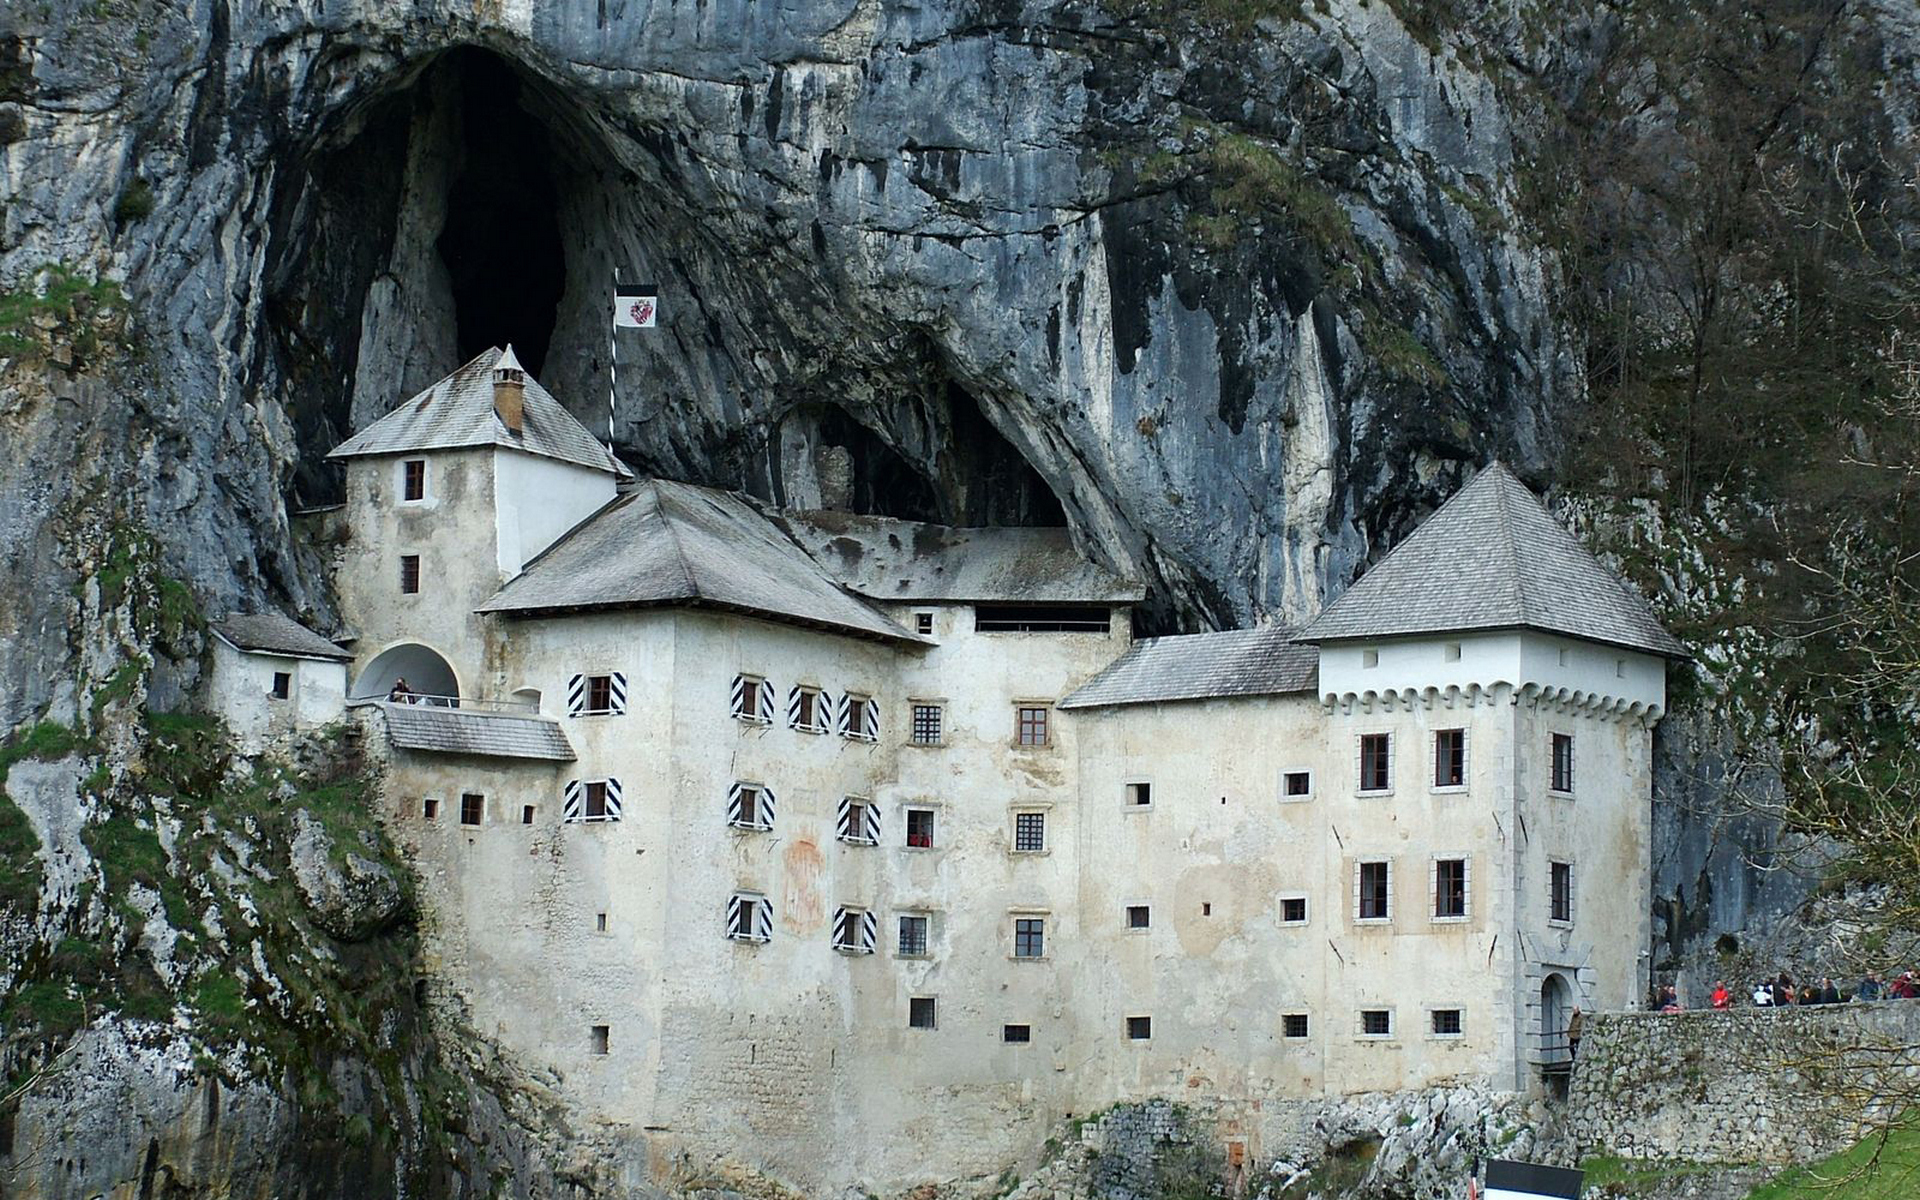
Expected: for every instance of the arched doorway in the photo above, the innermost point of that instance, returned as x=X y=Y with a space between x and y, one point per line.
x=427 y=675
x=1556 y=1009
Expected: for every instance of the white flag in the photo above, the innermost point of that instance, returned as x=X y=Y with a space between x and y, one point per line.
x=634 y=307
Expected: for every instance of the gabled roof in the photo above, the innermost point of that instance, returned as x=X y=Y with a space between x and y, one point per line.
x=1204 y=666
x=889 y=559
x=486 y=735
x=673 y=544
x=1493 y=557
x=457 y=412
x=271 y=633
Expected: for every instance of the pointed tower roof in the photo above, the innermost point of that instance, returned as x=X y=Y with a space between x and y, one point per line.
x=457 y=412
x=508 y=362
x=1493 y=557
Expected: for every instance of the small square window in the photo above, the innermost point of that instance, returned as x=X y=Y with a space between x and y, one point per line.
x=1376 y=762
x=927 y=724
x=1029 y=832
x=597 y=1039
x=923 y=623
x=599 y=922
x=1293 y=910
x=410 y=574
x=1293 y=1025
x=1029 y=937
x=1296 y=785
x=1376 y=1022
x=1017 y=1035
x=1139 y=795
x=921 y=1012
x=1030 y=725
x=1369 y=658
x=282 y=685
x=913 y=935
x=1139 y=1029
x=1446 y=1022
x=1453 y=652
x=920 y=828
x=1139 y=916
x=430 y=808
x=472 y=807
x=526 y=814
x=414 y=479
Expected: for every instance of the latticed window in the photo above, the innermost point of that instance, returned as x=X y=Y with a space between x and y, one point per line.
x=1562 y=762
x=1029 y=937
x=926 y=724
x=913 y=935
x=1293 y=910
x=1293 y=1025
x=1030 y=832
x=473 y=807
x=410 y=573
x=1446 y=1022
x=1032 y=725
x=1376 y=1022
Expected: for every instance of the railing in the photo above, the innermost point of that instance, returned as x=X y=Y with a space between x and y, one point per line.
x=463 y=703
x=1553 y=1051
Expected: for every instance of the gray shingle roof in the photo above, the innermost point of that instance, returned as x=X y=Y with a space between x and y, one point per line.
x=271 y=633
x=487 y=735
x=1493 y=557
x=458 y=412
x=889 y=559
x=675 y=544
x=1204 y=666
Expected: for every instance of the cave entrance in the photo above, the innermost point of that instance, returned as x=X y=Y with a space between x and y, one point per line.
x=501 y=240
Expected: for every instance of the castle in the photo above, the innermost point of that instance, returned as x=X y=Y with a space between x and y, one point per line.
x=843 y=850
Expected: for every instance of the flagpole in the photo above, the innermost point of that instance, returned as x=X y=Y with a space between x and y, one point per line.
x=613 y=366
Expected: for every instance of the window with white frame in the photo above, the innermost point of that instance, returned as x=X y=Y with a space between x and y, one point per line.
x=1293 y=909
x=413 y=480
x=750 y=805
x=1029 y=832
x=1376 y=763
x=915 y=934
x=603 y=695
x=1373 y=891
x=1376 y=1022
x=855 y=931
x=1449 y=758
x=928 y=719
x=858 y=822
x=1451 y=886
x=808 y=709
x=1029 y=937
x=1296 y=785
x=1139 y=794
x=751 y=700
x=749 y=917
x=1560 y=911
x=923 y=624
x=1444 y=1023
x=919 y=828
x=1030 y=725
x=1561 y=778
x=859 y=718
x=591 y=800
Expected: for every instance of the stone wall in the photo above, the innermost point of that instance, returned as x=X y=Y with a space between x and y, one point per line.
x=1745 y=1085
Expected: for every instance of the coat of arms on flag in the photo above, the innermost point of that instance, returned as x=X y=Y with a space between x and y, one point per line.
x=634 y=305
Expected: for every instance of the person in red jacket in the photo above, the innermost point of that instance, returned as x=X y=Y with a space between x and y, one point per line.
x=1722 y=998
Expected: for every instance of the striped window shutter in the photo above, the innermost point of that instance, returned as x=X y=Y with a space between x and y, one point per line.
x=793 y=707
x=766 y=702
x=869 y=932
x=766 y=808
x=737 y=699
x=733 y=803
x=872 y=823
x=738 y=921
x=574 y=805
x=843 y=824
x=618 y=687
x=870 y=723
x=840 y=721
x=613 y=799
x=763 y=919
x=576 y=695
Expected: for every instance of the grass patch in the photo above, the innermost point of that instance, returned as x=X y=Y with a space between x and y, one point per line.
x=1248 y=179
x=1637 y=1173
x=76 y=304
x=1881 y=1167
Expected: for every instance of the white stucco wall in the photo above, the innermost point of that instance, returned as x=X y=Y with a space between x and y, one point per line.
x=241 y=693
x=537 y=499
x=1583 y=669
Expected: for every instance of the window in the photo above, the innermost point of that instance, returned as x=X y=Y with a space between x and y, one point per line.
x=1139 y=1029
x=859 y=822
x=807 y=710
x=472 y=807
x=1296 y=785
x=920 y=828
x=591 y=800
x=1029 y=832
x=1449 y=889
x=282 y=685
x=751 y=700
x=1139 y=795
x=410 y=573
x=923 y=623
x=859 y=718
x=1293 y=1025
x=921 y=1012
x=854 y=931
x=1030 y=725
x=1376 y=762
x=1562 y=910
x=926 y=724
x=429 y=809
x=913 y=935
x=413 y=479
x=1293 y=910
x=1139 y=916
x=1620 y=668
x=1016 y=1035
x=1041 y=618
x=526 y=814
x=597 y=695
x=1562 y=763
x=1449 y=758
x=597 y=1037
x=1374 y=901
x=1029 y=937
x=1446 y=1022
x=1566 y=658
x=749 y=917
x=1369 y=658
x=599 y=922
x=1376 y=1022
x=749 y=806
x=1453 y=652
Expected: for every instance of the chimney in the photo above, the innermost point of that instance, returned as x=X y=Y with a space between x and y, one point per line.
x=510 y=391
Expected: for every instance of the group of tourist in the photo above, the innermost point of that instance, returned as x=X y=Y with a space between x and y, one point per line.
x=1782 y=992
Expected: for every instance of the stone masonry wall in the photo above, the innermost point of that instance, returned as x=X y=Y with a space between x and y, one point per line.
x=1745 y=1085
